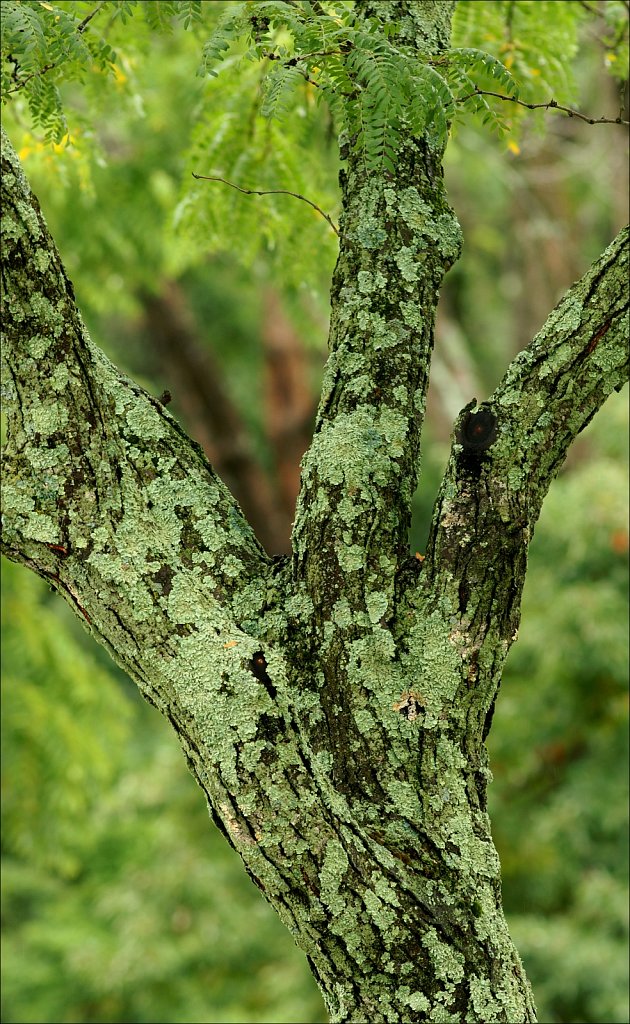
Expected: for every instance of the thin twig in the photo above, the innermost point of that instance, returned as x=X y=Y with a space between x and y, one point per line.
x=294 y=63
x=269 y=192
x=88 y=17
x=551 y=105
x=591 y=10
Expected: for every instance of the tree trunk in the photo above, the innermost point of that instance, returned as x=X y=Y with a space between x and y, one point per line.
x=333 y=705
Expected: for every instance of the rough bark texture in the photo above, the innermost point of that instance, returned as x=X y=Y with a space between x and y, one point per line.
x=332 y=706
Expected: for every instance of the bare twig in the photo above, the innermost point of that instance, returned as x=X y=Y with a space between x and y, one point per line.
x=83 y=24
x=590 y=9
x=268 y=192
x=550 y=105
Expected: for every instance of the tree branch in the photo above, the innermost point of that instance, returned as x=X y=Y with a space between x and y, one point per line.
x=506 y=452
x=554 y=388
x=550 y=105
x=268 y=192
x=332 y=714
x=49 y=67
x=107 y=499
x=103 y=494
x=360 y=472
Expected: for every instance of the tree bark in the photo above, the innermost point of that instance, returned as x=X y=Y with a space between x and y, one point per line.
x=332 y=706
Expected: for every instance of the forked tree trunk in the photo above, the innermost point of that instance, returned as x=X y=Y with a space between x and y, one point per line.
x=333 y=705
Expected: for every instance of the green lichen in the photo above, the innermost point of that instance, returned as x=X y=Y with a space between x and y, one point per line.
x=383 y=917
x=16 y=498
x=38 y=345
x=394 y=427
x=49 y=315
x=377 y=604
x=49 y=419
x=384 y=890
x=447 y=961
x=40 y=527
x=407 y=262
x=60 y=378
x=435 y=662
x=350 y=450
x=412 y=315
x=416 y=1000
x=351 y=557
x=365 y=281
x=144 y=420
x=365 y=721
x=370 y=233
x=405 y=799
x=42 y=260
x=334 y=867
x=342 y=614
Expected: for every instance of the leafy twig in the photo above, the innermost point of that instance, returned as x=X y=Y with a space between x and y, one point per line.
x=294 y=62
x=269 y=192
x=49 y=67
x=550 y=105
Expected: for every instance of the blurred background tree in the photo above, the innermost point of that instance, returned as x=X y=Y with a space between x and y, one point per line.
x=121 y=902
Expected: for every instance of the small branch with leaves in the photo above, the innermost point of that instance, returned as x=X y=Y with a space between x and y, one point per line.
x=21 y=82
x=550 y=105
x=294 y=62
x=268 y=192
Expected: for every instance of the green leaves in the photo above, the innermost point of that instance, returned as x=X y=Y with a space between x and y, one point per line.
x=536 y=40
x=379 y=105
x=281 y=76
x=470 y=71
x=226 y=32
x=60 y=734
x=254 y=133
x=41 y=45
x=484 y=66
x=277 y=88
x=44 y=46
x=377 y=91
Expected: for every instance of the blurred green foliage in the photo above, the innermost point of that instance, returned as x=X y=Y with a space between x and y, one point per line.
x=121 y=901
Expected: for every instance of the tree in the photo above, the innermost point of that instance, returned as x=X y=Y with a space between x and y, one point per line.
x=333 y=705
